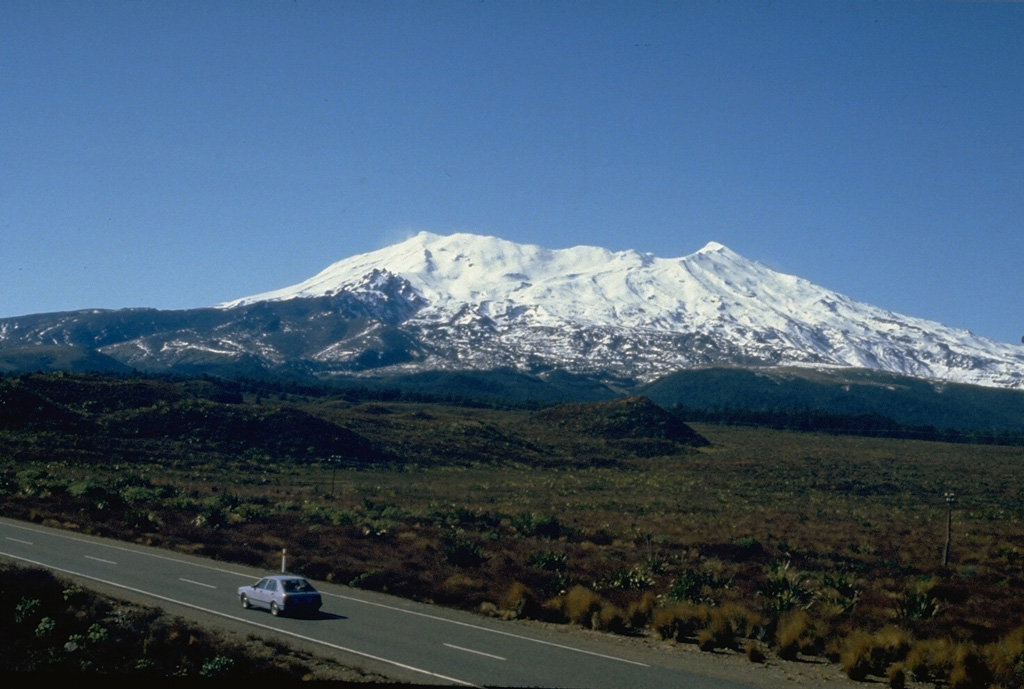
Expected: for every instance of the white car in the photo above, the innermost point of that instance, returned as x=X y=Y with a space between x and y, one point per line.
x=282 y=594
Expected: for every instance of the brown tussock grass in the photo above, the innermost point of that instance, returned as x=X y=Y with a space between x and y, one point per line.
x=680 y=622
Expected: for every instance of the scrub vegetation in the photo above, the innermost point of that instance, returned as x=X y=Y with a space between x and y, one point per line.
x=51 y=628
x=614 y=516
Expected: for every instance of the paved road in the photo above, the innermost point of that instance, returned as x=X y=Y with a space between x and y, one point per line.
x=401 y=639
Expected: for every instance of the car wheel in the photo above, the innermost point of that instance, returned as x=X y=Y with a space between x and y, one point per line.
x=274 y=610
x=245 y=601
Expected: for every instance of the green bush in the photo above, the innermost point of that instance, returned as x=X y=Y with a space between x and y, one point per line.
x=218 y=666
x=636 y=578
x=697 y=585
x=540 y=526
x=549 y=561
x=785 y=588
x=463 y=553
x=918 y=603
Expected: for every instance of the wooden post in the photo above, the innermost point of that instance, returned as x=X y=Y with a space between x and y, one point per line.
x=284 y=559
x=950 y=497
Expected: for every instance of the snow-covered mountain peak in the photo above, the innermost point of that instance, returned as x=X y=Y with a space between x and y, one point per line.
x=714 y=247
x=494 y=302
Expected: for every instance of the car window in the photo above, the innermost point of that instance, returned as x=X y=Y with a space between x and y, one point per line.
x=271 y=585
x=261 y=584
x=296 y=585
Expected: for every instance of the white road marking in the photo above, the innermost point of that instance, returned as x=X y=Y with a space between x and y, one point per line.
x=197 y=583
x=486 y=629
x=100 y=559
x=470 y=650
x=128 y=550
x=277 y=630
x=357 y=600
x=18 y=540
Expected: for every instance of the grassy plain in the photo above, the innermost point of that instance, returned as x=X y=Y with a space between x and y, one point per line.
x=607 y=516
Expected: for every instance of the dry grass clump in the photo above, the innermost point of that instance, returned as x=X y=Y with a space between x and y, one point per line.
x=874 y=654
x=1006 y=659
x=755 y=652
x=640 y=612
x=856 y=656
x=710 y=627
x=969 y=669
x=582 y=606
x=793 y=634
x=892 y=652
x=610 y=618
x=579 y=605
x=732 y=622
x=519 y=602
x=680 y=622
x=896 y=676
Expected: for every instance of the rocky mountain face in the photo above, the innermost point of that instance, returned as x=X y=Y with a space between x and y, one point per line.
x=467 y=302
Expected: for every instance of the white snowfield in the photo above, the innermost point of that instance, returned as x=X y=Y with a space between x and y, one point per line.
x=494 y=302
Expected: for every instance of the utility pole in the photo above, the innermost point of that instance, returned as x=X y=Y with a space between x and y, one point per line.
x=950 y=499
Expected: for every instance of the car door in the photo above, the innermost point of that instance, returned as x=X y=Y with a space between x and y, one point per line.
x=271 y=593
x=260 y=597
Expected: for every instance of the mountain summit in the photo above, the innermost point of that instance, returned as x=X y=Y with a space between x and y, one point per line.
x=487 y=302
x=469 y=302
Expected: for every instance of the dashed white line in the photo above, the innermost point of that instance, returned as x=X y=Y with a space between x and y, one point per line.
x=18 y=540
x=350 y=598
x=521 y=637
x=278 y=630
x=197 y=583
x=100 y=559
x=470 y=650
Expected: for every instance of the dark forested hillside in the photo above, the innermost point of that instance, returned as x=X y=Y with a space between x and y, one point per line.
x=902 y=400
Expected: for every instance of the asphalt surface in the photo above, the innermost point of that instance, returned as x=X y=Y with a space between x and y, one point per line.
x=397 y=638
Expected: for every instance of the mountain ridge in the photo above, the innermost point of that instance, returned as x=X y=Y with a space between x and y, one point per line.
x=472 y=302
x=712 y=306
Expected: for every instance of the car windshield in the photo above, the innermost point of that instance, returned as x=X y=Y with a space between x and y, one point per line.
x=296 y=585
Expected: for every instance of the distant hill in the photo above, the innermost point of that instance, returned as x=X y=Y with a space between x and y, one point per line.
x=112 y=419
x=493 y=387
x=902 y=399
x=124 y=417
x=58 y=358
x=629 y=417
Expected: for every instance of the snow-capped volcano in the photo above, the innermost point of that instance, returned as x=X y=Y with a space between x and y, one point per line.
x=464 y=301
x=483 y=302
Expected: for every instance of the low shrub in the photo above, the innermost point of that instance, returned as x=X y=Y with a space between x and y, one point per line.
x=896 y=676
x=918 y=602
x=726 y=625
x=791 y=633
x=928 y=660
x=698 y=585
x=463 y=553
x=785 y=588
x=969 y=669
x=681 y=621
x=640 y=612
x=519 y=602
x=874 y=654
x=856 y=656
x=609 y=618
x=636 y=578
x=580 y=604
x=1005 y=658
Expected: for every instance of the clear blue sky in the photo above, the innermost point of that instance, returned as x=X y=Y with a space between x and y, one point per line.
x=178 y=154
